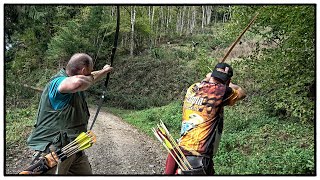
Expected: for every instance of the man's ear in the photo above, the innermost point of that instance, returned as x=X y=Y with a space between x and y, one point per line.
x=82 y=71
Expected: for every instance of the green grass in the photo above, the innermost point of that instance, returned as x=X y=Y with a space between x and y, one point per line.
x=252 y=142
x=148 y=118
x=18 y=124
x=255 y=143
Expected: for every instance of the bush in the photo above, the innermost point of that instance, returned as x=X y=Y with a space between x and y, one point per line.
x=18 y=124
x=256 y=143
x=282 y=70
x=151 y=82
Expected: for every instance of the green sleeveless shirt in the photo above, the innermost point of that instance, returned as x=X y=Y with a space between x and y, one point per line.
x=58 y=127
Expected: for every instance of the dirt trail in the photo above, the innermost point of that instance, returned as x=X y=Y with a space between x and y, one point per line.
x=121 y=149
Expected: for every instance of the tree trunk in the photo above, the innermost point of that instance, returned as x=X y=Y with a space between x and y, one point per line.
x=215 y=16
x=208 y=12
x=178 y=19
x=152 y=17
x=230 y=10
x=189 y=22
x=182 y=20
x=133 y=18
x=193 y=18
x=161 y=22
x=152 y=26
x=203 y=19
x=168 y=18
x=149 y=14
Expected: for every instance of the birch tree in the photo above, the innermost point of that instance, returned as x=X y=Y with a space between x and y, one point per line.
x=133 y=18
x=193 y=19
x=168 y=19
x=189 y=21
x=178 y=19
x=208 y=14
x=203 y=18
x=182 y=20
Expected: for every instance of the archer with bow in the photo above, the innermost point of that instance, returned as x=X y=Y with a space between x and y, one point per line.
x=63 y=113
x=202 y=120
x=60 y=134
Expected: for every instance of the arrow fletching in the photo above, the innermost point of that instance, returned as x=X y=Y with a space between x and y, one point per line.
x=165 y=140
x=81 y=136
x=164 y=136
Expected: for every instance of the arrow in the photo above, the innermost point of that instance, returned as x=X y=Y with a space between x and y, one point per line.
x=175 y=143
x=164 y=136
x=172 y=148
x=82 y=142
x=167 y=148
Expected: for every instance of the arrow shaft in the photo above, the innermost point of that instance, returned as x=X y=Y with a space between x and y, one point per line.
x=71 y=149
x=169 y=151
x=72 y=152
x=173 y=156
x=175 y=144
x=69 y=145
x=175 y=152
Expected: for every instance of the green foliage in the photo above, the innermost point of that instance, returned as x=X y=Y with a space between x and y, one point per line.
x=142 y=29
x=150 y=80
x=90 y=31
x=18 y=124
x=204 y=64
x=28 y=34
x=285 y=74
x=67 y=42
x=222 y=37
x=149 y=118
x=256 y=143
x=18 y=96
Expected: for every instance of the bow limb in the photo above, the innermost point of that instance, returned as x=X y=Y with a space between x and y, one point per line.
x=115 y=44
x=238 y=39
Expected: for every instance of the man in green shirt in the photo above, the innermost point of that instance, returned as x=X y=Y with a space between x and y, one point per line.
x=63 y=113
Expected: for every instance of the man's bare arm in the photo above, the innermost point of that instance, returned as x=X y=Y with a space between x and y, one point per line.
x=75 y=83
x=241 y=93
x=98 y=75
x=81 y=83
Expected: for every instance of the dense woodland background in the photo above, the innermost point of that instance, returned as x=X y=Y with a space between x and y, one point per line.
x=162 y=50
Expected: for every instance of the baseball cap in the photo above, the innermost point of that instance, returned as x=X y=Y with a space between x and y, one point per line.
x=222 y=71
